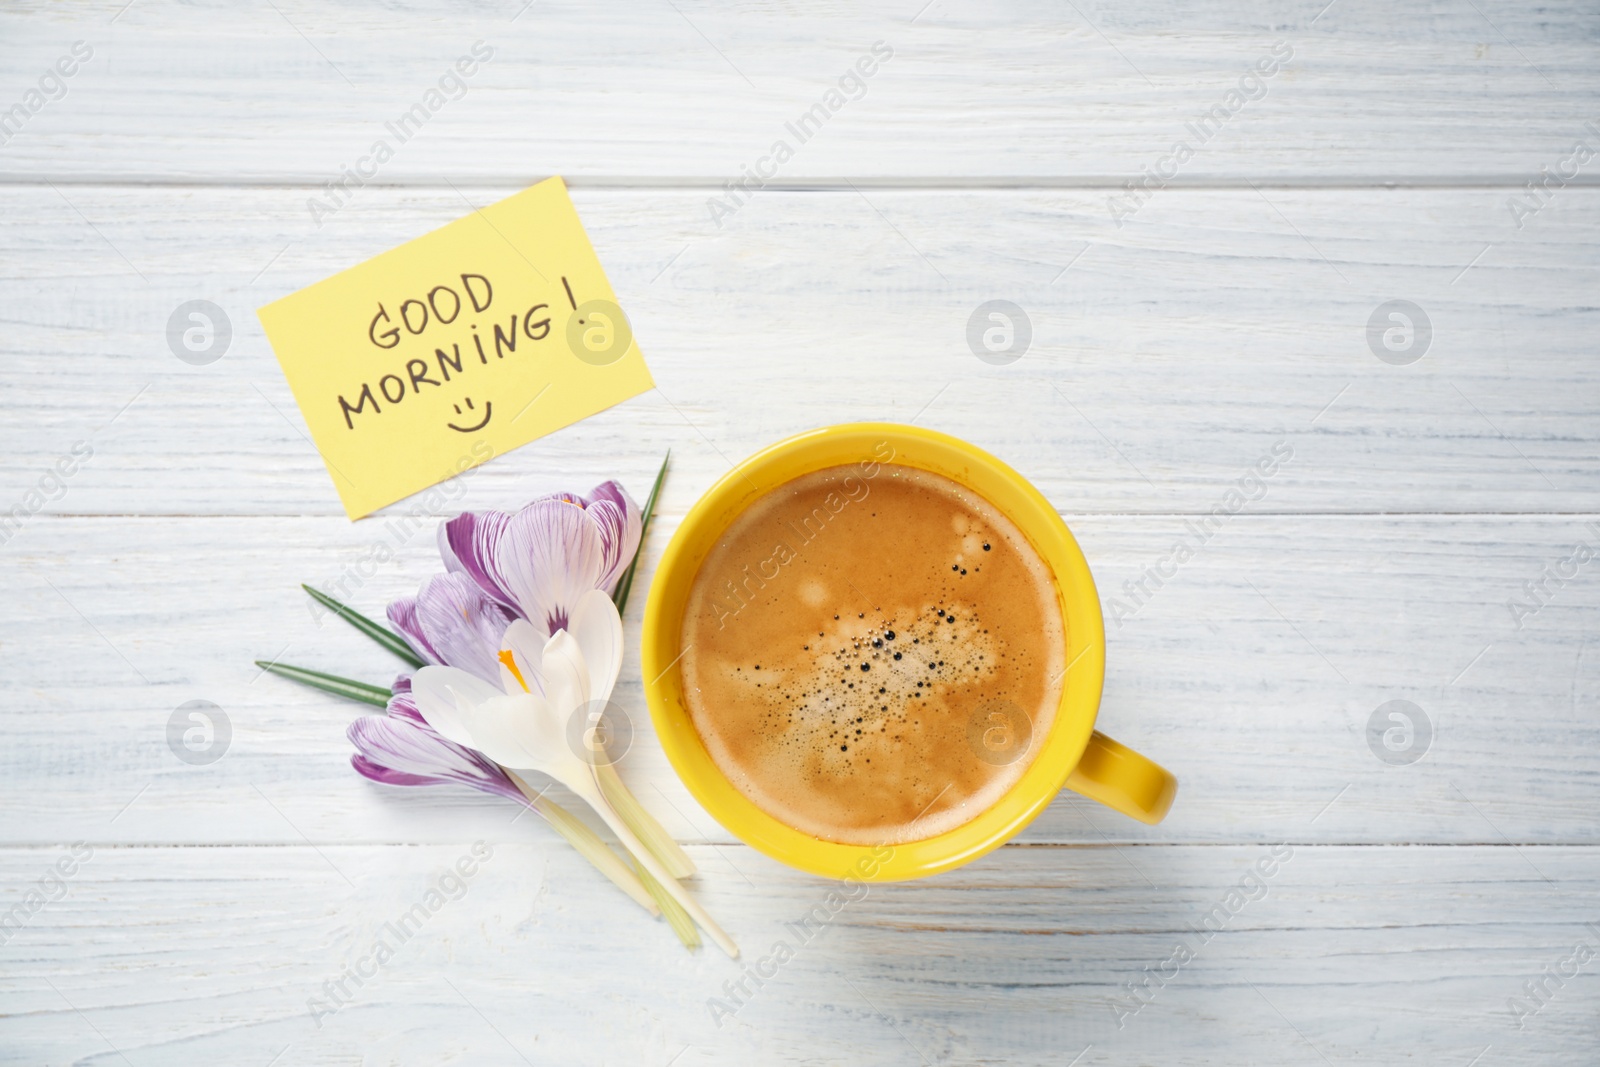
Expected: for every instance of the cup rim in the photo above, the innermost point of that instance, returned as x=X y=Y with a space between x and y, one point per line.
x=983 y=474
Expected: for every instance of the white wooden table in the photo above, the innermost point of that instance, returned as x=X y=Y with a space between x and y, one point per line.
x=1172 y=346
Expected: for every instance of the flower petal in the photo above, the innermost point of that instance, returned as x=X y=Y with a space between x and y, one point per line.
x=461 y=624
x=526 y=646
x=597 y=628
x=566 y=675
x=511 y=731
x=403 y=617
x=388 y=775
x=402 y=705
x=467 y=545
x=400 y=752
x=445 y=697
x=550 y=554
x=619 y=521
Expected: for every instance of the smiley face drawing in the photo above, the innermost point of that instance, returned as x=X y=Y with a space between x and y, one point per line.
x=488 y=407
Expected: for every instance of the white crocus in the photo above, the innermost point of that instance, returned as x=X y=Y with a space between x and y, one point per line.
x=522 y=724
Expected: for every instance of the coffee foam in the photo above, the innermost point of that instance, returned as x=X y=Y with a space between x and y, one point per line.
x=837 y=683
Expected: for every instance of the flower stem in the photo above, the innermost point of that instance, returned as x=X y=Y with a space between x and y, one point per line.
x=589 y=790
x=330 y=683
x=671 y=910
x=625 y=583
x=381 y=634
x=642 y=823
x=588 y=845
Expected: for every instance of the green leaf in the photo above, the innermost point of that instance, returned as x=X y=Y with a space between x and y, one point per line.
x=329 y=683
x=625 y=583
x=381 y=634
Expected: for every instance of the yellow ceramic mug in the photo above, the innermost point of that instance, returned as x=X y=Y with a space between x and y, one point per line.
x=1073 y=753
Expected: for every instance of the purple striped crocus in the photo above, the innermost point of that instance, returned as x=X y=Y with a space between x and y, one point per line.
x=533 y=564
x=400 y=748
x=451 y=622
x=517 y=586
x=539 y=561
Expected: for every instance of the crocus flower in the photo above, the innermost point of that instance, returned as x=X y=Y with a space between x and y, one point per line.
x=540 y=560
x=534 y=564
x=522 y=722
x=453 y=622
x=400 y=748
x=513 y=581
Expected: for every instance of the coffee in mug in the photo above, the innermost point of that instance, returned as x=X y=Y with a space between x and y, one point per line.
x=872 y=653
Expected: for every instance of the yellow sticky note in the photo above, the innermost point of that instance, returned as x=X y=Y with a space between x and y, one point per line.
x=456 y=347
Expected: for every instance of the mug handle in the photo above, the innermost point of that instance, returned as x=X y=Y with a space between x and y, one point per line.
x=1123 y=780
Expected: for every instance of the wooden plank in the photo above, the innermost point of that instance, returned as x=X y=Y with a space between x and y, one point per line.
x=1167 y=356
x=224 y=956
x=1031 y=93
x=1173 y=346
x=1253 y=673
